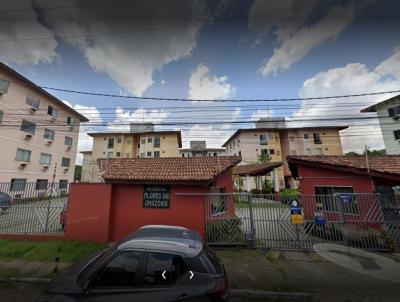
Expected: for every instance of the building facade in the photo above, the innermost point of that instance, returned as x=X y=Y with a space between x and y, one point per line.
x=388 y=113
x=199 y=149
x=129 y=145
x=277 y=143
x=38 y=134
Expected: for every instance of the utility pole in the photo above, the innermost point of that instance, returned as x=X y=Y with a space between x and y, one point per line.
x=366 y=157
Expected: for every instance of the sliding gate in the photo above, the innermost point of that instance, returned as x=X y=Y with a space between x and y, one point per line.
x=369 y=221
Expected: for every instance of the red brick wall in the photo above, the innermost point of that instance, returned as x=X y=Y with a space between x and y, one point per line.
x=88 y=215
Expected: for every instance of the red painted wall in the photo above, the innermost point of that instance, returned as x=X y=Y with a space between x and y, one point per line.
x=88 y=215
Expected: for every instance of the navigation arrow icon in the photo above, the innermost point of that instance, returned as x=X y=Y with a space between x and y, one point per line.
x=191 y=275
x=163 y=275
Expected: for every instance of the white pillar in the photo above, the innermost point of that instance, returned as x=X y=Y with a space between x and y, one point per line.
x=276 y=180
x=248 y=183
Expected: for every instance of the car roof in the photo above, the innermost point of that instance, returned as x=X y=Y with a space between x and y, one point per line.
x=164 y=238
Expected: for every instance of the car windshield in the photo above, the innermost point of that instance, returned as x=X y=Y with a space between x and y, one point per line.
x=92 y=263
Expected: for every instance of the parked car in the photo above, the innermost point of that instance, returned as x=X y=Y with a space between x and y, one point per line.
x=63 y=216
x=5 y=202
x=156 y=263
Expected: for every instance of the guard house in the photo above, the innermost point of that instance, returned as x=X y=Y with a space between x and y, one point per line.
x=141 y=191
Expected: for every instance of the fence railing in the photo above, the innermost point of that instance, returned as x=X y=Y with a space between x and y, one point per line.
x=39 y=207
x=370 y=221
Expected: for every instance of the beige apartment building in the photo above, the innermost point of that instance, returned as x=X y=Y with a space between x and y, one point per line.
x=128 y=145
x=279 y=142
x=38 y=133
x=200 y=149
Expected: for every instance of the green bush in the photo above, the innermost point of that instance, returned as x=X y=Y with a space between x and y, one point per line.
x=256 y=191
x=267 y=187
x=288 y=194
x=225 y=231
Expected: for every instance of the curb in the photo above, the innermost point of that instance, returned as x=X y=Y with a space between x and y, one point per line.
x=260 y=295
x=25 y=280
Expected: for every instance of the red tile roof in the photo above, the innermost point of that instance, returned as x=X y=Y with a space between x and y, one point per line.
x=167 y=169
x=257 y=169
x=384 y=166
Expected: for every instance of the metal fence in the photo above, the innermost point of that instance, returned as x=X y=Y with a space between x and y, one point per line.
x=370 y=221
x=33 y=207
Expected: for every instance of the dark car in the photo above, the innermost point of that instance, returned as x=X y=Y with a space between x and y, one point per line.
x=5 y=202
x=156 y=263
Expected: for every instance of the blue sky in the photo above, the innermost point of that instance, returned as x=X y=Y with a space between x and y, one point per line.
x=275 y=49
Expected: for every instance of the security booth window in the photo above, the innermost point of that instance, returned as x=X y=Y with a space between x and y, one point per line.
x=122 y=271
x=218 y=201
x=163 y=269
x=331 y=198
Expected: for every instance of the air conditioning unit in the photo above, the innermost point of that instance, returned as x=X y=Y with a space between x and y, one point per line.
x=23 y=165
x=49 y=142
x=66 y=169
x=32 y=109
x=53 y=119
x=68 y=148
x=28 y=136
x=45 y=167
x=71 y=127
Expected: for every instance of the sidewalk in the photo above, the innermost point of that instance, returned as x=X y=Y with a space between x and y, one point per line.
x=292 y=271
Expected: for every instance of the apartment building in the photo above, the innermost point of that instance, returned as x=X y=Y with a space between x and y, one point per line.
x=199 y=149
x=279 y=142
x=140 y=144
x=388 y=112
x=38 y=133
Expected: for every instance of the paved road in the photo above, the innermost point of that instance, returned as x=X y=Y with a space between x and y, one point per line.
x=32 y=217
x=24 y=292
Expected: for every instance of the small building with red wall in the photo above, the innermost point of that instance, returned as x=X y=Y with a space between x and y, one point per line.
x=144 y=191
x=365 y=178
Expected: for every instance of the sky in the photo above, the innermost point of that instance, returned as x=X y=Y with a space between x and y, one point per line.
x=209 y=50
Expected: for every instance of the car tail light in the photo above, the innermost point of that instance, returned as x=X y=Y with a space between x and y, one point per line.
x=221 y=290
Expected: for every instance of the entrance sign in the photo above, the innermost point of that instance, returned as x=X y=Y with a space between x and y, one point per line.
x=296 y=216
x=156 y=197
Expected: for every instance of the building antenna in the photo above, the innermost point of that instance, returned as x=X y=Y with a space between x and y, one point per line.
x=366 y=158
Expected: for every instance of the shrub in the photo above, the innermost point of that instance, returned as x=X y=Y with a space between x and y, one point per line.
x=225 y=231
x=288 y=194
x=267 y=187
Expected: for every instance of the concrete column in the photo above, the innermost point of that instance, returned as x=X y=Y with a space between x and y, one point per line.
x=276 y=180
x=248 y=183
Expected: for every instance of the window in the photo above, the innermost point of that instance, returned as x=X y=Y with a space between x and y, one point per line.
x=51 y=111
x=396 y=134
x=119 y=140
x=263 y=139
x=129 y=141
x=240 y=153
x=156 y=143
x=306 y=136
x=271 y=151
x=48 y=134
x=63 y=184
x=156 y=153
x=41 y=184
x=142 y=155
x=264 y=152
x=28 y=127
x=65 y=162
x=121 y=271
x=1 y=116
x=344 y=198
x=148 y=154
x=149 y=139
x=157 y=263
x=23 y=155
x=143 y=141
x=270 y=136
x=318 y=151
x=110 y=143
x=394 y=111
x=45 y=159
x=18 y=184
x=118 y=154
x=317 y=138
x=110 y=154
x=308 y=151
x=32 y=101
x=70 y=121
x=68 y=141
x=4 y=86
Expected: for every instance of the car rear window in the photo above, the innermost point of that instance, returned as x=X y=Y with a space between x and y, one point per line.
x=206 y=262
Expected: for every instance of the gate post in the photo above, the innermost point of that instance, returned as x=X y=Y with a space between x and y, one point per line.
x=252 y=229
x=342 y=220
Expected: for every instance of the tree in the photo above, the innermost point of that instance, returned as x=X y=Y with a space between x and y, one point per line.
x=77 y=172
x=264 y=158
x=352 y=153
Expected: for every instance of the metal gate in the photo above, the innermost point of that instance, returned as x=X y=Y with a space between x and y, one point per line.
x=369 y=221
x=33 y=207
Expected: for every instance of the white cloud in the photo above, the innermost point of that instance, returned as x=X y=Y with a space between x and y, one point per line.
x=24 y=25
x=204 y=85
x=85 y=142
x=131 y=59
x=390 y=66
x=296 y=47
x=351 y=79
x=261 y=113
x=141 y=115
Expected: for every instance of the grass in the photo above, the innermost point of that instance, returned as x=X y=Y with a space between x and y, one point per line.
x=47 y=251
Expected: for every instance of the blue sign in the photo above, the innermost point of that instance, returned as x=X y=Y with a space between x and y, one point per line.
x=320 y=220
x=295 y=211
x=346 y=198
